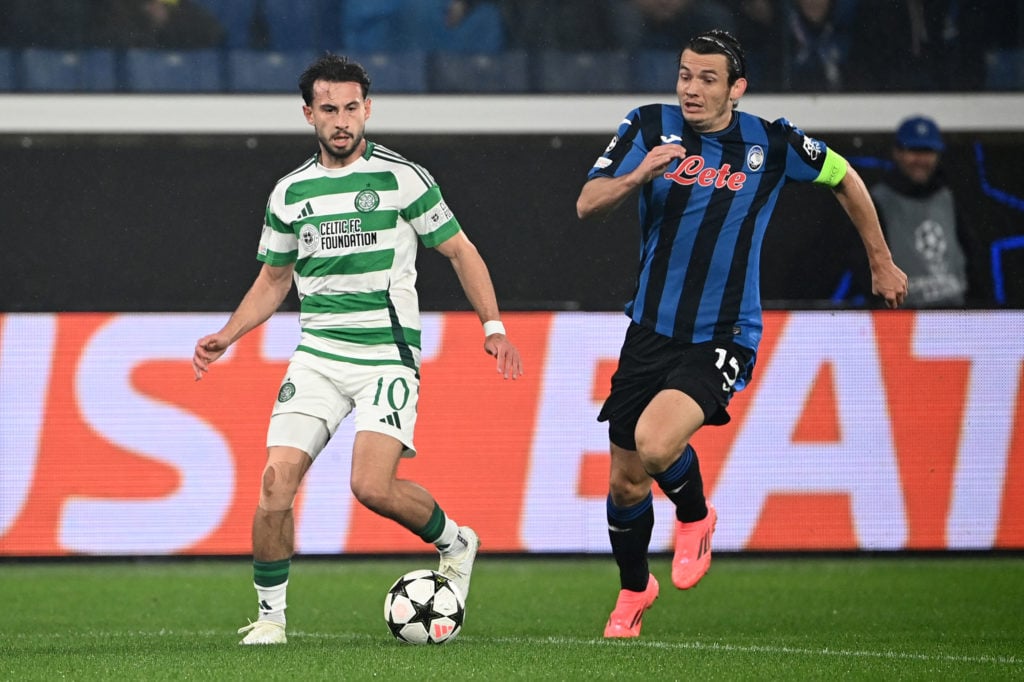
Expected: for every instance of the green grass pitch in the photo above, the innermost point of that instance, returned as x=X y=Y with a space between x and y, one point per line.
x=803 y=618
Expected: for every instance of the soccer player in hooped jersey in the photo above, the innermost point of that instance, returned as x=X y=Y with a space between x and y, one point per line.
x=346 y=225
x=708 y=178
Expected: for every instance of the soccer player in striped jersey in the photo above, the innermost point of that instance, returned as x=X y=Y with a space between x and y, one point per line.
x=345 y=225
x=708 y=178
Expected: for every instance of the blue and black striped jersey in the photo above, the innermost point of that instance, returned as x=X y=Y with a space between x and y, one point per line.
x=702 y=222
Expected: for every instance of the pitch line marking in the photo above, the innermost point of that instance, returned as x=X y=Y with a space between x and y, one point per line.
x=570 y=641
x=714 y=646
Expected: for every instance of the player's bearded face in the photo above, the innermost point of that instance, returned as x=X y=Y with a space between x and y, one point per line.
x=705 y=96
x=339 y=143
x=338 y=114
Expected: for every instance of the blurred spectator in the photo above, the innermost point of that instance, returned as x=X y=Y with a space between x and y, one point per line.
x=572 y=25
x=759 y=29
x=44 y=23
x=473 y=26
x=926 y=232
x=976 y=29
x=664 y=24
x=816 y=43
x=904 y=45
x=166 y=24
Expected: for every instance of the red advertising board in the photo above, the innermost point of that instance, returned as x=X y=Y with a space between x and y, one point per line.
x=860 y=430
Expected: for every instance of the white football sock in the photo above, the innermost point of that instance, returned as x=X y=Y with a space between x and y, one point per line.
x=272 y=602
x=447 y=538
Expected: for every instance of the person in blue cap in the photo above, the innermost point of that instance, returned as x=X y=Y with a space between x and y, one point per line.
x=922 y=225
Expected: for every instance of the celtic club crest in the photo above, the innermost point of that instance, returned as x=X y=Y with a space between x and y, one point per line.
x=367 y=201
x=286 y=392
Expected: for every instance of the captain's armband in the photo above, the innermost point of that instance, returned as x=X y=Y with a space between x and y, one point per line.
x=833 y=170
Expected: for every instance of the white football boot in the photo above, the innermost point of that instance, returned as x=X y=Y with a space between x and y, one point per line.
x=263 y=632
x=457 y=561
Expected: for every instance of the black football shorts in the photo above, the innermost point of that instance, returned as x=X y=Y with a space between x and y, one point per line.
x=709 y=372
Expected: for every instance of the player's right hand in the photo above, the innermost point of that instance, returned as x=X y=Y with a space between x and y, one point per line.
x=658 y=160
x=207 y=350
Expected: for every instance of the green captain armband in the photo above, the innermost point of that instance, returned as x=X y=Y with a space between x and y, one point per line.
x=833 y=170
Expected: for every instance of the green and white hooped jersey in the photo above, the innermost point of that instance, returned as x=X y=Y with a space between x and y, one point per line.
x=352 y=234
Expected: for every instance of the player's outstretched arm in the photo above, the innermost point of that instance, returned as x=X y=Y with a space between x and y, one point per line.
x=887 y=280
x=475 y=279
x=261 y=301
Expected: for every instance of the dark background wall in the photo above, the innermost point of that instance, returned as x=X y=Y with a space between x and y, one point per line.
x=171 y=223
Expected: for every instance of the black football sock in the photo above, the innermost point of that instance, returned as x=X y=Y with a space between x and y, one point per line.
x=629 y=529
x=682 y=484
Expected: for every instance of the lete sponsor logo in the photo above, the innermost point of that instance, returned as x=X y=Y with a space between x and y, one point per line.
x=693 y=170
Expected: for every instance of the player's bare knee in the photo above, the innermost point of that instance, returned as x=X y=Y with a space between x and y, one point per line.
x=279 y=486
x=626 y=491
x=373 y=495
x=657 y=453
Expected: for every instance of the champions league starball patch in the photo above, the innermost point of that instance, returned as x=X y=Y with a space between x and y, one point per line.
x=367 y=201
x=286 y=393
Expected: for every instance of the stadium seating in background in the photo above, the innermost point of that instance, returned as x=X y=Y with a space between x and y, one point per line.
x=295 y=25
x=266 y=71
x=654 y=70
x=236 y=16
x=397 y=25
x=398 y=72
x=559 y=71
x=480 y=73
x=371 y=26
x=1004 y=69
x=482 y=31
x=45 y=70
x=198 y=71
x=6 y=70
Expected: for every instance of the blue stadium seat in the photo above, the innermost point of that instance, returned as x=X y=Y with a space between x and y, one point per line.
x=6 y=70
x=295 y=25
x=266 y=70
x=1004 y=69
x=400 y=72
x=654 y=70
x=236 y=16
x=482 y=31
x=173 y=70
x=596 y=72
x=377 y=26
x=44 y=70
x=400 y=25
x=482 y=73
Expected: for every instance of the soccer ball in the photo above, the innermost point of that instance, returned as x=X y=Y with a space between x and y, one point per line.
x=424 y=607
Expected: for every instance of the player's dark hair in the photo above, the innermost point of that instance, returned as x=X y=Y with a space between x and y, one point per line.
x=721 y=42
x=334 y=69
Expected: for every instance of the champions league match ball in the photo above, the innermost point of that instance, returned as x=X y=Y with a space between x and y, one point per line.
x=424 y=607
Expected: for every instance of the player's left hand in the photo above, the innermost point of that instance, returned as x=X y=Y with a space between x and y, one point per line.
x=889 y=282
x=510 y=365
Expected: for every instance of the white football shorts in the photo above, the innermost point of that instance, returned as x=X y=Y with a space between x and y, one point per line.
x=384 y=398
